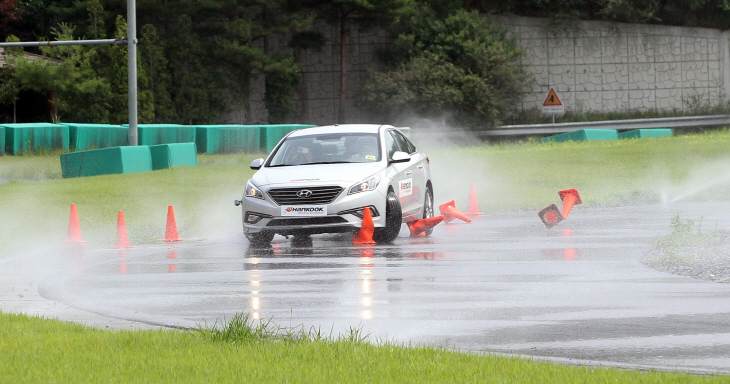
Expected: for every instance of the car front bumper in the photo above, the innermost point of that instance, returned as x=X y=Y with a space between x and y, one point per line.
x=272 y=220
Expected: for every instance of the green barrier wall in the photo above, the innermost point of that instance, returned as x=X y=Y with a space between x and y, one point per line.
x=584 y=135
x=2 y=140
x=26 y=137
x=96 y=136
x=165 y=156
x=646 y=133
x=271 y=134
x=155 y=134
x=71 y=164
x=228 y=138
x=106 y=161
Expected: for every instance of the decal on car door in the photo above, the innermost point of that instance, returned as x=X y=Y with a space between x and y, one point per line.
x=405 y=188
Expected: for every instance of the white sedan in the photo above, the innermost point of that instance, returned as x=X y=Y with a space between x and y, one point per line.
x=319 y=180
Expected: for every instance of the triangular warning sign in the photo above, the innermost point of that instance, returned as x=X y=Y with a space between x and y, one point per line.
x=552 y=99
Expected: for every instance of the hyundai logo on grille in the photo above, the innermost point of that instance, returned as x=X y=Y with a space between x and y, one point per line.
x=304 y=193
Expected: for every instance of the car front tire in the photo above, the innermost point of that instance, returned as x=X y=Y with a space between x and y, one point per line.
x=393 y=218
x=428 y=208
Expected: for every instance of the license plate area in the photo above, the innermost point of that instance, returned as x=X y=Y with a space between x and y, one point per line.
x=303 y=210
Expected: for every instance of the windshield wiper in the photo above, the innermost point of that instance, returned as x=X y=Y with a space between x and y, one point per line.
x=329 y=162
x=319 y=162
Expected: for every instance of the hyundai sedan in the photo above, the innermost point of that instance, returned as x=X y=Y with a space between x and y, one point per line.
x=319 y=180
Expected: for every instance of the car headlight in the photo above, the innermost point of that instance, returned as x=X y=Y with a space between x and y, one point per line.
x=253 y=191
x=368 y=184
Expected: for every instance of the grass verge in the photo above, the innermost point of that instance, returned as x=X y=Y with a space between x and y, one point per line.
x=44 y=351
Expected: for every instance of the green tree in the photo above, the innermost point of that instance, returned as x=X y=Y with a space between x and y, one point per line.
x=83 y=96
x=26 y=74
x=152 y=58
x=462 y=66
x=96 y=22
x=197 y=96
x=282 y=76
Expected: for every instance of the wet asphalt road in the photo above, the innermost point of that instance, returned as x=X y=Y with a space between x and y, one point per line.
x=577 y=292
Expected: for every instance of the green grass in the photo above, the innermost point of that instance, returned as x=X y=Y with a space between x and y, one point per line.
x=528 y=175
x=46 y=351
x=683 y=242
x=34 y=208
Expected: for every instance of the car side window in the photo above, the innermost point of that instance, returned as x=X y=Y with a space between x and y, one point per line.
x=411 y=147
x=403 y=142
x=390 y=144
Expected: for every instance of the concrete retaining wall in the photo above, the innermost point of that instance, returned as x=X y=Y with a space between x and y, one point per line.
x=594 y=66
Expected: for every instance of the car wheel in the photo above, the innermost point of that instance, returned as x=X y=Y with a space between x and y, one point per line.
x=393 y=218
x=428 y=208
x=260 y=239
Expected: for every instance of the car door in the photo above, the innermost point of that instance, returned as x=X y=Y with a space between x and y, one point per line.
x=412 y=179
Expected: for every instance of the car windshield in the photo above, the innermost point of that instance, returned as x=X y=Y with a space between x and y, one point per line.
x=327 y=149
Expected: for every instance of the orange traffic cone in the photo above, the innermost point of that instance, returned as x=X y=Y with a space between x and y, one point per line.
x=74 y=230
x=419 y=226
x=472 y=209
x=171 y=228
x=455 y=213
x=550 y=216
x=570 y=198
x=442 y=211
x=122 y=240
x=365 y=234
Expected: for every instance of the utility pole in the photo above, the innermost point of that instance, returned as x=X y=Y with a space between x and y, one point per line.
x=132 y=70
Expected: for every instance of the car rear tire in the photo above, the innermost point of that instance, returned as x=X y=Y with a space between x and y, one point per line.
x=428 y=208
x=393 y=218
x=261 y=239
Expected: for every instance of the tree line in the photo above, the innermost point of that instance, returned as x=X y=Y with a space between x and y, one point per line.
x=447 y=58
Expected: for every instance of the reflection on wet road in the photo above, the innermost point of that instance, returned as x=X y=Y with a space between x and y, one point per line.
x=502 y=283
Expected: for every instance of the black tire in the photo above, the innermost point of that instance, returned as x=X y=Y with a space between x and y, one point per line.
x=393 y=218
x=261 y=239
x=428 y=208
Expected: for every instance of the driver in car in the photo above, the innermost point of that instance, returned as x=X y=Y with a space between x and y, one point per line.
x=362 y=149
x=303 y=155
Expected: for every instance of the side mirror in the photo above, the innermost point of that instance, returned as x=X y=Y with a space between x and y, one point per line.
x=400 y=157
x=256 y=164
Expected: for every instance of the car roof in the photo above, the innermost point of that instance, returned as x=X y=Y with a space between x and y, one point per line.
x=339 y=128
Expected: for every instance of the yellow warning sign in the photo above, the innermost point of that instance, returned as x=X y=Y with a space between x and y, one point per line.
x=552 y=99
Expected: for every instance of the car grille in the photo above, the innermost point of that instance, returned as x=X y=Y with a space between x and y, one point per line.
x=320 y=195
x=306 y=221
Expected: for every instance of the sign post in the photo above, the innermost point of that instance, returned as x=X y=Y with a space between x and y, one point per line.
x=552 y=104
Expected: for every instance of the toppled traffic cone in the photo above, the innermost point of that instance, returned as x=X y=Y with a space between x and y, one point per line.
x=423 y=225
x=550 y=216
x=455 y=213
x=472 y=209
x=442 y=211
x=570 y=198
x=365 y=234
x=74 y=229
x=122 y=240
x=171 y=228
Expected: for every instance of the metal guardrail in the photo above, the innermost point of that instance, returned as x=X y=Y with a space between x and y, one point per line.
x=665 y=122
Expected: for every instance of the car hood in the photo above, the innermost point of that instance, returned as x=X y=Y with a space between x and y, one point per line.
x=315 y=174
